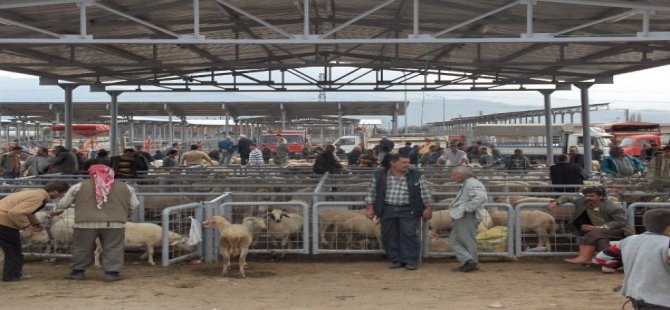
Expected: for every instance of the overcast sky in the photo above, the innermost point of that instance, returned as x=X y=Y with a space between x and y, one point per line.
x=648 y=89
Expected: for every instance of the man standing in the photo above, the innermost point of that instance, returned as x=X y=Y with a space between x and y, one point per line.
x=10 y=163
x=63 y=161
x=38 y=163
x=405 y=150
x=281 y=153
x=244 y=148
x=659 y=171
x=518 y=161
x=399 y=196
x=126 y=166
x=596 y=152
x=255 y=156
x=566 y=173
x=597 y=219
x=227 y=150
x=648 y=154
x=102 y=205
x=327 y=162
x=467 y=210
x=195 y=157
x=575 y=157
x=144 y=158
x=16 y=212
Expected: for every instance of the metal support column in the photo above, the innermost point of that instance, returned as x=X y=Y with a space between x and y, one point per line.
x=131 y=132
x=113 y=123
x=547 y=126
x=183 y=131
x=170 y=129
x=144 y=134
x=586 y=124
x=340 y=130
x=68 y=88
x=283 y=116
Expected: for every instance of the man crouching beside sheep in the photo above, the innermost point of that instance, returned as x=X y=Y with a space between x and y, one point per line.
x=399 y=196
x=102 y=205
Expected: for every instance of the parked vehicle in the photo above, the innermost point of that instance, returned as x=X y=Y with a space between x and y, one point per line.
x=295 y=139
x=533 y=141
x=632 y=136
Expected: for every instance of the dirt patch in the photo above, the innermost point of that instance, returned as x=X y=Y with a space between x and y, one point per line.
x=347 y=282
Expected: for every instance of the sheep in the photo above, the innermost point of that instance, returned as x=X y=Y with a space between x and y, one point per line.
x=146 y=235
x=256 y=225
x=542 y=223
x=329 y=220
x=154 y=205
x=360 y=225
x=234 y=239
x=283 y=225
x=61 y=231
x=442 y=221
x=437 y=244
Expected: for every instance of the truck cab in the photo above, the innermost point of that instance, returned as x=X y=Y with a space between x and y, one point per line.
x=634 y=145
x=347 y=143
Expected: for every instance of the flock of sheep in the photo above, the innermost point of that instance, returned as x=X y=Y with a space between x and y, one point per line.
x=270 y=227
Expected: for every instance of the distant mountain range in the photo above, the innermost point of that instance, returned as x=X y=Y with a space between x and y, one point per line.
x=27 y=89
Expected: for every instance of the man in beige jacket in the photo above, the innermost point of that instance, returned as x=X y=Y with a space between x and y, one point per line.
x=17 y=212
x=195 y=157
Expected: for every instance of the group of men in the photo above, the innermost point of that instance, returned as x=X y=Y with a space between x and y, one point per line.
x=102 y=205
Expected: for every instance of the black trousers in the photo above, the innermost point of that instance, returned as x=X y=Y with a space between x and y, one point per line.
x=10 y=242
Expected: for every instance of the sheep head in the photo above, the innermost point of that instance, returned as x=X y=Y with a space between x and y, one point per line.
x=277 y=215
x=216 y=222
x=255 y=221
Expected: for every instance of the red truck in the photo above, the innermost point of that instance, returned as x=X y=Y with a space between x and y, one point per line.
x=295 y=139
x=632 y=136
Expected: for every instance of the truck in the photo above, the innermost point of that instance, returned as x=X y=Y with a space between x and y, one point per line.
x=295 y=139
x=634 y=145
x=531 y=138
x=632 y=136
x=347 y=143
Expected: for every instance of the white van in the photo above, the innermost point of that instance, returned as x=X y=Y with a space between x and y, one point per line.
x=347 y=143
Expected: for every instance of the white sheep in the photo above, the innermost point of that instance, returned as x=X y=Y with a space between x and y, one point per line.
x=283 y=225
x=540 y=222
x=360 y=226
x=61 y=231
x=442 y=221
x=328 y=220
x=234 y=239
x=145 y=235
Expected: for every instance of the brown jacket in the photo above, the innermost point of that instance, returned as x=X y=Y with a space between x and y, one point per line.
x=16 y=210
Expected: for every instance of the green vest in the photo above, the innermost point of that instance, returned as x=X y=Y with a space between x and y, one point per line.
x=414 y=189
x=114 y=210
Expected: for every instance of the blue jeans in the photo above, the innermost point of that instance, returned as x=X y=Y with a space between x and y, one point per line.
x=9 y=175
x=400 y=234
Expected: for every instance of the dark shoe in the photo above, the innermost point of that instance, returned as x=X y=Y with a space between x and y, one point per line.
x=411 y=267
x=470 y=265
x=76 y=275
x=21 y=278
x=395 y=265
x=457 y=269
x=111 y=277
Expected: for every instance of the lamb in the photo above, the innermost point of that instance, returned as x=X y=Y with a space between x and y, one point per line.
x=234 y=239
x=329 y=219
x=61 y=230
x=542 y=223
x=442 y=221
x=360 y=225
x=146 y=235
x=284 y=225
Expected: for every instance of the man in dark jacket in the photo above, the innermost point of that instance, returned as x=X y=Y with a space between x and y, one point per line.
x=405 y=150
x=354 y=155
x=566 y=173
x=399 y=196
x=575 y=157
x=63 y=161
x=244 y=148
x=327 y=162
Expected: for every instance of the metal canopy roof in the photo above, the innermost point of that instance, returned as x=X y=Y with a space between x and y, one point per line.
x=241 y=45
x=269 y=111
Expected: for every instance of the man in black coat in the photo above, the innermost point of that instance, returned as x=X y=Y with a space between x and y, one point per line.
x=575 y=157
x=244 y=148
x=566 y=173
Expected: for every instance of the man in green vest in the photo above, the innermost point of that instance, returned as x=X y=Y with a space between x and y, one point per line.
x=101 y=211
x=399 y=197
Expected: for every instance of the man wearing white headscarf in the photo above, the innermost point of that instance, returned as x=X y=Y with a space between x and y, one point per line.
x=101 y=211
